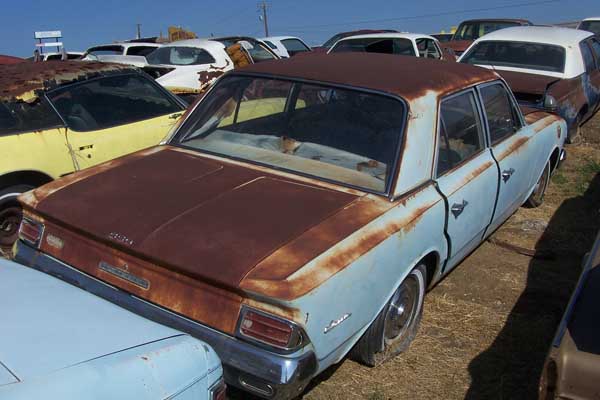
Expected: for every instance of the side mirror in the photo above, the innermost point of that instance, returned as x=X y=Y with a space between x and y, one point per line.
x=550 y=103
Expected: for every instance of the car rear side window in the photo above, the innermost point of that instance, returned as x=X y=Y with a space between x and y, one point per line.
x=111 y=101
x=428 y=49
x=21 y=116
x=502 y=118
x=460 y=133
x=596 y=50
x=140 y=50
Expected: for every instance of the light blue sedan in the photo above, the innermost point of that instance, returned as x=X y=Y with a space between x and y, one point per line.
x=60 y=342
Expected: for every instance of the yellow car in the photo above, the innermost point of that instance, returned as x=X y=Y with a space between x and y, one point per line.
x=58 y=117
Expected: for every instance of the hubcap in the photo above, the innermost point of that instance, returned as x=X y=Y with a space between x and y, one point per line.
x=10 y=219
x=402 y=309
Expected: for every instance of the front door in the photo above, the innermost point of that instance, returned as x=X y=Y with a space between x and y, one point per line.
x=467 y=176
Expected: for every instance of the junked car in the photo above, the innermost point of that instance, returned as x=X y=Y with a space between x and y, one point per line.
x=548 y=68
x=59 y=342
x=590 y=25
x=130 y=53
x=302 y=209
x=286 y=46
x=5 y=60
x=471 y=30
x=338 y=36
x=404 y=44
x=572 y=367
x=443 y=37
x=188 y=67
x=58 y=117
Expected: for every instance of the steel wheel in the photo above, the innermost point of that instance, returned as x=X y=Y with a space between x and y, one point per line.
x=402 y=310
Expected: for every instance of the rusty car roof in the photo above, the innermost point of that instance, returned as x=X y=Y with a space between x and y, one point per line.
x=23 y=81
x=407 y=77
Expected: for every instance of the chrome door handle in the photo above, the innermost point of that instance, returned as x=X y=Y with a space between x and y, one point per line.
x=458 y=208
x=507 y=173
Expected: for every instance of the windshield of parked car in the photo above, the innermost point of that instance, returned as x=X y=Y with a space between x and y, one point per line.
x=20 y=116
x=294 y=46
x=110 y=101
x=535 y=56
x=591 y=26
x=105 y=51
x=396 y=46
x=474 y=30
x=180 y=55
x=336 y=134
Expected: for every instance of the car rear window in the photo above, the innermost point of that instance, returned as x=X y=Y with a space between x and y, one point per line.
x=180 y=55
x=336 y=134
x=476 y=29
x=294 y=46
x=396 y=46
x=111 y=101
x=536 y=56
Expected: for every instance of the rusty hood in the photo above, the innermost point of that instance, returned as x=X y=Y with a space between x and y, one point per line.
x=521 y=82
x=201 y=217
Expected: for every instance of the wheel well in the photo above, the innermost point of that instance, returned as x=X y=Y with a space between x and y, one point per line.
x=554 y=159
x=33 y=178
x=431 y=262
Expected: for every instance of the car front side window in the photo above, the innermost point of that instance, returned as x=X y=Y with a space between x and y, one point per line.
x=499 y=110
x=460 y=131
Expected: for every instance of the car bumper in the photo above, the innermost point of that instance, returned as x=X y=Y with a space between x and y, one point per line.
x=248 y=367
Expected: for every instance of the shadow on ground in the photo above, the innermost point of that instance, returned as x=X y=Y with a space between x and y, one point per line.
x=509 y=368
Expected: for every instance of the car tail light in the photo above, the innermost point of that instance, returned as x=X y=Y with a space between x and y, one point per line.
x=31 y=231
x=269 y=329
x=218 y=391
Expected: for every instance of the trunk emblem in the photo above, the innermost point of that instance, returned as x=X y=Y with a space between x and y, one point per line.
x=120 y=238
x=123 y=273
x=55 y=242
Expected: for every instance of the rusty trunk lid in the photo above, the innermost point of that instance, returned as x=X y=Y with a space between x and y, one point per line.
x=203 y=218
x=521 y=82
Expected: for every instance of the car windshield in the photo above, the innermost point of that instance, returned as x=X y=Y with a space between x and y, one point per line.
x=105 y=51
x=342 y=135
x=474 y=30
x=536 y=56
x=396 y=46
x=111 y=101
x=591 y=26
x=179 y=55
x=333 y=40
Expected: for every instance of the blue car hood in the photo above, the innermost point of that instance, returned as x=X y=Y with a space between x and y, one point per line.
x=47 y=324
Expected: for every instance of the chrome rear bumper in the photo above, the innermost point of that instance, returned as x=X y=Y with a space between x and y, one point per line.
x=245 y=366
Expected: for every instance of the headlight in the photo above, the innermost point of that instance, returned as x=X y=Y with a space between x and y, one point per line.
x=270 y=330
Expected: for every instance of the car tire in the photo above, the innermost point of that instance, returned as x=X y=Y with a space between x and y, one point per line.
x=537 y=197
x=10 y=215
x=396 y=325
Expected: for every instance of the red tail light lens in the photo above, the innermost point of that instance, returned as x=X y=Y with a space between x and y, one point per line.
x=269 y=329
x=31 y=231
x=218 y=391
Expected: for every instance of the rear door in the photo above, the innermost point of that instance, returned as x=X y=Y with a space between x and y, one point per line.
x=512 y=147
x=467 y=176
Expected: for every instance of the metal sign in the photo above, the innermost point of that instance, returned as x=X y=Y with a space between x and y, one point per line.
x=49 y=44
x=47 y=34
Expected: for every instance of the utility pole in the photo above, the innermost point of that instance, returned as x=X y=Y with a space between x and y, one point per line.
x=139 y=31
x=262 y=7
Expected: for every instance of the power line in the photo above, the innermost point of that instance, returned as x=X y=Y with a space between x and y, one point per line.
x=412 y=17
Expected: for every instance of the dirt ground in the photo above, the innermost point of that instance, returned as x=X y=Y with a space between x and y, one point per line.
x=487 y=327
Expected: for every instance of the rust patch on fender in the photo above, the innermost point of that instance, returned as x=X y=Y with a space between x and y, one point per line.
x=513 y=148
x=305 y=279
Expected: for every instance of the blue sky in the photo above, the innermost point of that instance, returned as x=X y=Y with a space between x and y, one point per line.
x=90 y=22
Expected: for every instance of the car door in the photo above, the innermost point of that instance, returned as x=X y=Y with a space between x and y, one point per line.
x=114 y=115
x=466 y=176
x=512 y=147
x=595 y=73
